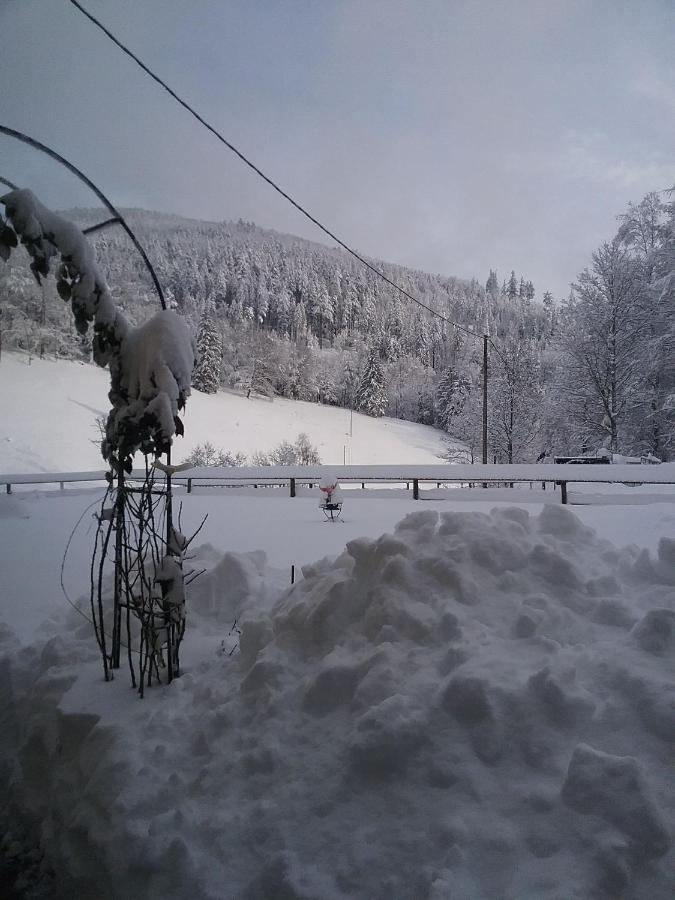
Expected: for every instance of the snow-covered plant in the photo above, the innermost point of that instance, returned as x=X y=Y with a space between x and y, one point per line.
x=301 y=453
x=207 y=455
x=150 y=373
x=150 y=379
x=284 y=454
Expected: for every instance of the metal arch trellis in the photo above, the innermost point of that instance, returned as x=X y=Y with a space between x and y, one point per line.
x=118 y=218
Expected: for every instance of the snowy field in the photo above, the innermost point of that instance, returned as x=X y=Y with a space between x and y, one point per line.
x=65 y=398
x=458 y=698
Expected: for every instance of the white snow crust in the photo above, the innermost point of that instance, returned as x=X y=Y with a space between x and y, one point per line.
x=476 y=705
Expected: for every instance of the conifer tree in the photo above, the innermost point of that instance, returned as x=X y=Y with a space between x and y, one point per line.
x=206 y=375
x=492 y=285
x=451 y=395
x=371 y=396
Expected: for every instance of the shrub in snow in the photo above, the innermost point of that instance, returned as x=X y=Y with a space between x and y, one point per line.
x=207 y=455
x=283 y=455
x=307 y=455
x=302 y=453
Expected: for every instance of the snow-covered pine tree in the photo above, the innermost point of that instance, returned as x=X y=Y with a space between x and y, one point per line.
x=371 y=396
x=451 y=395
x=492 y=285
x=206 y=376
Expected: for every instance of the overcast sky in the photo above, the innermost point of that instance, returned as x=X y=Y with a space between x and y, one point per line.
x=449 y=136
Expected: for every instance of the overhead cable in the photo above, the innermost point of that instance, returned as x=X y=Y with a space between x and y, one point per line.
x=265 y=177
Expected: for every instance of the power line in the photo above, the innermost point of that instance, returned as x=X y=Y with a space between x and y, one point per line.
x=265 y=177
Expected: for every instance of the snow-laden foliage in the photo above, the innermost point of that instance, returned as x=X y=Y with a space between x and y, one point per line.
x=150 y=366
x=616 y=339
x=46 y=235
x=150 y=384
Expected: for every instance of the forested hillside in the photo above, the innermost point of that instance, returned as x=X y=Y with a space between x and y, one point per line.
x=278 y=315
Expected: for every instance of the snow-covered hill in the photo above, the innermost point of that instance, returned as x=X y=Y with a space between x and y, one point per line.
x=48 y=413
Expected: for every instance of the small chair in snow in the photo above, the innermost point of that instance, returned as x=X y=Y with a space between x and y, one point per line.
x=331 y=498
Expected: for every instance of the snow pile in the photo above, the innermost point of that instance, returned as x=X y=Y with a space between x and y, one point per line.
x=474 y=706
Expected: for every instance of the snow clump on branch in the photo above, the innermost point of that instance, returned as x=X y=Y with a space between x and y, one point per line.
x=45 y=234
x=151 y=382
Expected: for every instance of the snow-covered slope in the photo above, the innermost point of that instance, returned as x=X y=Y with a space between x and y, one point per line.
x=48 y=414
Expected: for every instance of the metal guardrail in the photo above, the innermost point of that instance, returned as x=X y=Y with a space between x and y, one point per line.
x=293 y=476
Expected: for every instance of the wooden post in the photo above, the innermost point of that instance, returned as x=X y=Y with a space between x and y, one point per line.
x=292 y=487
x=189 y=486
x=9 y=488
x=292 y=574
x=416 y=489
x=563 y=490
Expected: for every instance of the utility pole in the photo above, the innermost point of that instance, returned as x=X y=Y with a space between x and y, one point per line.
x=485 y=399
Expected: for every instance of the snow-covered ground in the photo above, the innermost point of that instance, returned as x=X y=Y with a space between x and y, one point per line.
x=477 y=704
x=63 y=399
x=464 y=698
